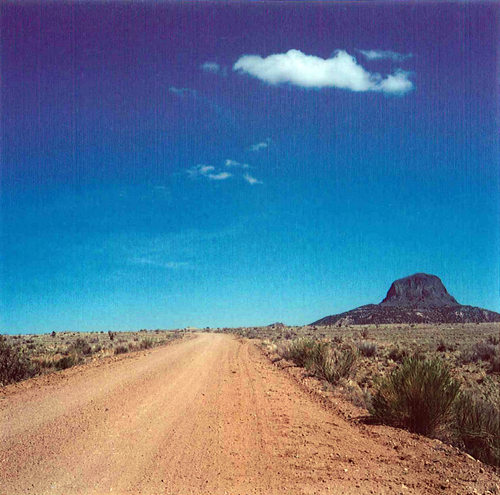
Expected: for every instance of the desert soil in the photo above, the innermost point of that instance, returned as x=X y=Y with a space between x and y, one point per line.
x=208 y=415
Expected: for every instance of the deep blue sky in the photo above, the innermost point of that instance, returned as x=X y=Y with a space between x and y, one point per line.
x=120 y=210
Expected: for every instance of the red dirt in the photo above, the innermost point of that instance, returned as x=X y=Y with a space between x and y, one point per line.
x=210 y=415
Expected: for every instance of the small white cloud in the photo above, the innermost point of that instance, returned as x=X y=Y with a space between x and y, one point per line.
x=397 y=83
x=220 y=176
x=232 y=163
x=251 y=180
x=309 y=71
x=211 y=67
x=182 y=91
x=200 y=170
x=258 y=146
x=385 y=54
x=204 y=169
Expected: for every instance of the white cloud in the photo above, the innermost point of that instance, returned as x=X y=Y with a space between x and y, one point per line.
x=200 y=170
x=309 y=71
x=204 y=169
x=211 y=67
x=182 y=91
x=251 y=180
x=397 y=83
x=258 y=146
x=385 y=54
x=220 y=176
x=232 y=163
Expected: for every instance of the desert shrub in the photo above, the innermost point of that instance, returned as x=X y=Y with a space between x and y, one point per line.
x=97 y=348
x=397 y=354
x=495 y=364
x=331 y=364
x=485 y=351
x=494 y=340
x=147 y=343
x=481 y=351
x=14 y=366
x=364 y=333
x=326 y=363
x=476 y=428
x=66 y=362
x=45 y=363
x=367 y=349
x=111 y=335
x=299 y=351
x=443 y=346
x=252 y=334
x=121 y=349
x=53 y=334
x=338 y=339
x=80 y=346
x=418 y=395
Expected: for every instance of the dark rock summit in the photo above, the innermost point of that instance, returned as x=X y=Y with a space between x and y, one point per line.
x=419 y=298
x=419 y=290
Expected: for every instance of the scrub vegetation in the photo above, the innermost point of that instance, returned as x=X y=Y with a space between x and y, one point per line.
x=442 y=381
x=25 y=356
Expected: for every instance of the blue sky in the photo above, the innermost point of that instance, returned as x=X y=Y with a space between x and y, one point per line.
x=235 y=164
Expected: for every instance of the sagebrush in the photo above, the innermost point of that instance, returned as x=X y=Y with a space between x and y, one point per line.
x=419 y=396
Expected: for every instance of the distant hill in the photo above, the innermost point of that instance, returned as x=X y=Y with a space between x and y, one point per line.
x=419 y=298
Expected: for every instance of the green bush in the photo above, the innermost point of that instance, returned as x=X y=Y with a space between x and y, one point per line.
x=323 y=361
x=332 y=364
x=147 y=343
x=299 y=351
x=476 y=428
x=66 y=362
x=14 y=366
x=418 y=395
x=121 y=349
x=80 y=346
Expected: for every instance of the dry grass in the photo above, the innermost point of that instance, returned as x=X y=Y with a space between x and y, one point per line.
x=29 y=355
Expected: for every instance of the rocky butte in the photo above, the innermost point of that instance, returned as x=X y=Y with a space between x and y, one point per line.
x=419 y=298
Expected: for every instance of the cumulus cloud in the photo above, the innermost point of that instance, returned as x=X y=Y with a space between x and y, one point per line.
x=385 y=54
x=211 y=67
x=232 y=163
x=220 y=176
x=251 y=180
x=397 y=83
x=309 y=71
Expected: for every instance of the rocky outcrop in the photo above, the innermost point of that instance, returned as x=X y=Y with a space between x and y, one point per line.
x=420 y=290
x=419 y=298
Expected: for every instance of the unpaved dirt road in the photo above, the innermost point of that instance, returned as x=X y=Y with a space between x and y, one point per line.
x=208 y=415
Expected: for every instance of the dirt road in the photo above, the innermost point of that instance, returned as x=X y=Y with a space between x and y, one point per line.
x=209 y=415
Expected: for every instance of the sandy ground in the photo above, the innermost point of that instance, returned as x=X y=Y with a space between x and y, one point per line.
x=208 y=415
